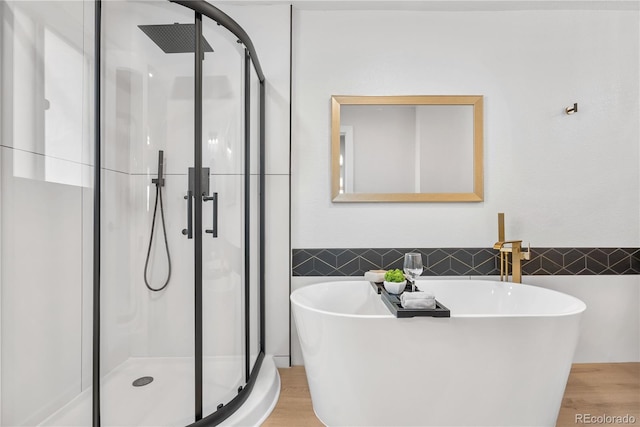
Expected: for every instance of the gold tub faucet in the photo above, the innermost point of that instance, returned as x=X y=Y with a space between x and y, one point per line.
x=513 y=247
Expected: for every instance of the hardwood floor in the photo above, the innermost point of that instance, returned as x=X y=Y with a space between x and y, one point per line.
x=294 y=405
x=600 y=389
x=593 y=389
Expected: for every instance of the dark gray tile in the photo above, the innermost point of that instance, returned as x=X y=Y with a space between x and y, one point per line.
x=350 y=269
x=599 y=256
x=594 y=264
x=304 y=268
x=481 y=256
x=328 y=256
x=635 y=261
x=440 y=268
x=549 y=265
x=463 y=256
x=373 y=257
x=322 y=268
x=460 y=268
x=299 y=256
x=392 y=258
x=621 y=266
x=345 y=257
x=436 y=257
x=532 y=266
x=576 y=266
x=366 y=265
x=553 y=255
x=487 y=268
x=571 y=256
x=619 y=259
x=466 y=261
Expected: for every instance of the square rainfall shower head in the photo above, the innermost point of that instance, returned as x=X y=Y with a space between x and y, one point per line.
x=174 y=38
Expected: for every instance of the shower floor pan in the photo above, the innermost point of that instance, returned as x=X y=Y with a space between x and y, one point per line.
x=168 y=399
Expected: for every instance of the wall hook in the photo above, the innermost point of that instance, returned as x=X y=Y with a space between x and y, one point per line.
x=570 y=110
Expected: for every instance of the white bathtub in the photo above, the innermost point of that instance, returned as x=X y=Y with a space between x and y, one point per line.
x=501 y=359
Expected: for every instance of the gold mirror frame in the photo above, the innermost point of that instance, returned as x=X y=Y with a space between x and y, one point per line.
x=478 y=188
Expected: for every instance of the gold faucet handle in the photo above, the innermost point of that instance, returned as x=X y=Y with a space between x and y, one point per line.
x=512 y=241
x=500 y=245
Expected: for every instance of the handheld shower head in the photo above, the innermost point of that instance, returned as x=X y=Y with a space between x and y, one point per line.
x=159 y=181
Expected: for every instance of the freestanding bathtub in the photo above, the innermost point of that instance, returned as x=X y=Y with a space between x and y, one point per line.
x=501 y=359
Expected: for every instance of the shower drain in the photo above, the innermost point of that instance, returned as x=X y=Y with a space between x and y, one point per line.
x=142 y=381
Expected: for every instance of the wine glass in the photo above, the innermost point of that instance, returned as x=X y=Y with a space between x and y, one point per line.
x=413 y=267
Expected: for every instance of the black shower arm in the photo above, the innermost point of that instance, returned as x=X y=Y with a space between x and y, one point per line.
x=226 y=21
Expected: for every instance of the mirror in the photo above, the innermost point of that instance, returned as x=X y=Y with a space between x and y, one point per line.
x=406 y=148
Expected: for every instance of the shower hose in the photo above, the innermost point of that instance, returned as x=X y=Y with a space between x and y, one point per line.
x=166 y=244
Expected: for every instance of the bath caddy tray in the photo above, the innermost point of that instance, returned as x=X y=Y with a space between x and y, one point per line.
x=395 y=306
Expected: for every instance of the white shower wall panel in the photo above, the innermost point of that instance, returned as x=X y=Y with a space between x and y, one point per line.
x=278 y=269
x=140 y=117
x=223 y=269
x=161 y=322
x=41 y=294
x=149 y=95
x=21 y=52
x=116 y=263
x=222 y=101
x=148 y=101
x=151 y=117
x=87 y=287
x=168 y=125
x=48 y=81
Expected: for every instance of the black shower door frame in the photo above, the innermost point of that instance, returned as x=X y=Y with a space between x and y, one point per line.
x=200 y=8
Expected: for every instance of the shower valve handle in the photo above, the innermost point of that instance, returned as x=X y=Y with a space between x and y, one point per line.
x=189 y=230
x=214 y=199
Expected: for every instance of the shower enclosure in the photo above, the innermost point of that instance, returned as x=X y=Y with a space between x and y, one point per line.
x=132 y=292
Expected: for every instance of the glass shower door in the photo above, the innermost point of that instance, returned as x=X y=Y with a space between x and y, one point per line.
x=147 y=355
x=223 y=246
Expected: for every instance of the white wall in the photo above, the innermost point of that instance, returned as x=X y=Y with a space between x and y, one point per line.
x=564 y=181
x=552 y=174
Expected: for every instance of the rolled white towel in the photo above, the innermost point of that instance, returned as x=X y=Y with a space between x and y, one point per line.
x=418 y=300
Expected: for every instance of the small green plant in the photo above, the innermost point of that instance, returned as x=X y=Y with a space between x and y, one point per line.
x=394 y=276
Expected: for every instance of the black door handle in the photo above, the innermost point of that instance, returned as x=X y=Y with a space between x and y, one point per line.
x=189 y=230
x=214 y=199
